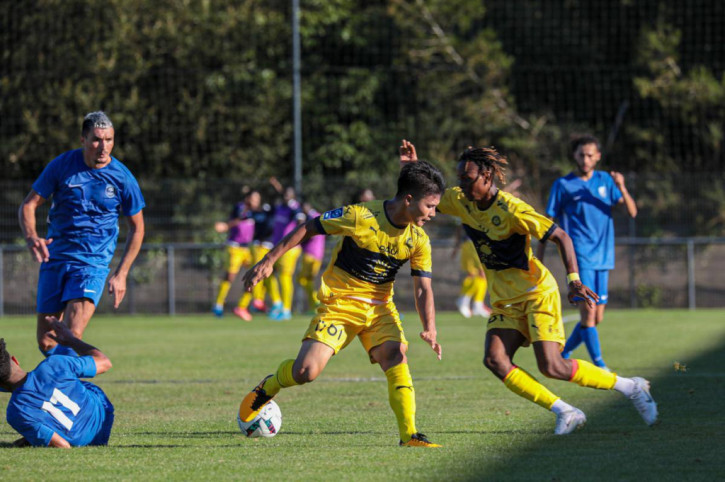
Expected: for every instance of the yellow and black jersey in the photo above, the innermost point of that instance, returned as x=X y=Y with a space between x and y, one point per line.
x=502 y=236
x=372 y=250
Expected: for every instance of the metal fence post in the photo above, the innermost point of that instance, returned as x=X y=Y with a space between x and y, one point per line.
x=171 y=282
x=691 y=274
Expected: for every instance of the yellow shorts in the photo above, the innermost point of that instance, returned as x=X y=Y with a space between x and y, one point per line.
x=338 y=321
x=470 y=262
x=310 y=266
x=238 y=256
x=537 y=319
x=258 y=252
x=288 y=262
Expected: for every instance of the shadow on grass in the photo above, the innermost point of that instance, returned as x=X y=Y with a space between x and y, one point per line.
x=687 y=444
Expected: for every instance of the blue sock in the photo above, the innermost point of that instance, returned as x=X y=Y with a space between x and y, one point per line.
x=59 y=350
x=50 y=352
x=591 y=340
x=575 y=339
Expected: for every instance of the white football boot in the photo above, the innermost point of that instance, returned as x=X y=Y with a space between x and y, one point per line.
x=643 y=401
x=569 y=420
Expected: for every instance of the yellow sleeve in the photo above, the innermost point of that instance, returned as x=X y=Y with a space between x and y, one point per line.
x=421 y=262
x=449 y=201
x=528 y=221
x=340 y=221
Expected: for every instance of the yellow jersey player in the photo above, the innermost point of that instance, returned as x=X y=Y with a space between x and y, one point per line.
x=526 y=305
x=356 y=293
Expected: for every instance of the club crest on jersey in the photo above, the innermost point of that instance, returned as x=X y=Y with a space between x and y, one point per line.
x=332 y=214
x=602 y=191
x=110 y=191
x=496 y=221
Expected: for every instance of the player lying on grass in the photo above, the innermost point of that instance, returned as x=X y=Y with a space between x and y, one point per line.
x=356 y=294
x=51 y=406
x=525 y=299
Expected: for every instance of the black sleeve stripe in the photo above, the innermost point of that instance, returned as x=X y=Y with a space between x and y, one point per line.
x=421 y=274
x=319 y=227
x=548 y=233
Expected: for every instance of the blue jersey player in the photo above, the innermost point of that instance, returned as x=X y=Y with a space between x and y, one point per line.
x=51 y=405
x=89 y=190
x=581 y=202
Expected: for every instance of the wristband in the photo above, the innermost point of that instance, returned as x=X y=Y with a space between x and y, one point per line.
x=572 y=277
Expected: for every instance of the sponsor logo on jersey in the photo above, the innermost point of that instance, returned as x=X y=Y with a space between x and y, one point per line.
x=332 y=214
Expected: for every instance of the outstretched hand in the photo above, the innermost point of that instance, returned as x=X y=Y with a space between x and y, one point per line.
x=257 y=273
x=430 y=338
x=407 y=153
x=580 y=292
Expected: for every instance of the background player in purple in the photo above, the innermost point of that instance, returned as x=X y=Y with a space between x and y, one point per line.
x=51 y=406
x=241 y=233
x=287 y=216
x=581 y=202
x=313 y=252
x=90 y=189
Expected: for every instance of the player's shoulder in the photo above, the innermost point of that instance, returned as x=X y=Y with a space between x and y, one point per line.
x=121 y=168
x=508 y=203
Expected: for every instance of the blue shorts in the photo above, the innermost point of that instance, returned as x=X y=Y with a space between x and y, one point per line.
x=596 y=280
x=104 y=433
x=62 y=281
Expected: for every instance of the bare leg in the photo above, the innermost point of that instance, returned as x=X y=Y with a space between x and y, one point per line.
x=501 y=346
x=311 y=360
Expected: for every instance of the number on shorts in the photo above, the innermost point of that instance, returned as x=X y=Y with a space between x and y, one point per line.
x=332 y=330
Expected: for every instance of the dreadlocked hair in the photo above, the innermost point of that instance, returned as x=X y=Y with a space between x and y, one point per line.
x=4 y=362
x=487 y=159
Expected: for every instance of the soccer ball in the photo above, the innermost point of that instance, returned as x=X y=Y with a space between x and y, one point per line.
x=266 y=424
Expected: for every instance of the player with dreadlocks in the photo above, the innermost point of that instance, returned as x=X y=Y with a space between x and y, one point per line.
x=525 y=299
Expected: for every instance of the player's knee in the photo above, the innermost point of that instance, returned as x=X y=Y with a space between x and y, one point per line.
x=306 y=373
x=496 y=364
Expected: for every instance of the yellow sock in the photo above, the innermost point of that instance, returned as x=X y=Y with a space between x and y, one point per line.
x=245 y=300
x=480 y=286
x=272 y=286
x=259 y=291
x=287 y=289
x=402 y=399
x=282 y=379
x=524 y=385
x=223 y=292
x=586 y=374
x=468 y=287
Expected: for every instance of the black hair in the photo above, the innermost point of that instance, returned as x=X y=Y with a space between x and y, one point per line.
x=5 y=368
x=487 y=159
x=420 y=179
x=583 y=141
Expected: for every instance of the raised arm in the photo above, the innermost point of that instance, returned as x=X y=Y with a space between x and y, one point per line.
x=626 y=198
x=407 y=153
x=568 y=257
x=62 y=334
x=26 y=217
x=117 y=281
x=264 y=268
x=425 y=305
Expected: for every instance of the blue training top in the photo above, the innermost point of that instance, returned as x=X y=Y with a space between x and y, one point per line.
x=83 y=219
x=584 y=210
x=53 y=399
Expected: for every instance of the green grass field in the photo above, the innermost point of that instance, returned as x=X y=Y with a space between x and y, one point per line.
x=177 y=381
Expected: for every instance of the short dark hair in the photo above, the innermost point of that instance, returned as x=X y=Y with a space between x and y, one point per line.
x=420 y=179
x=487 y=159
x=583 y=141
x=93 y=120
x=4 y=362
